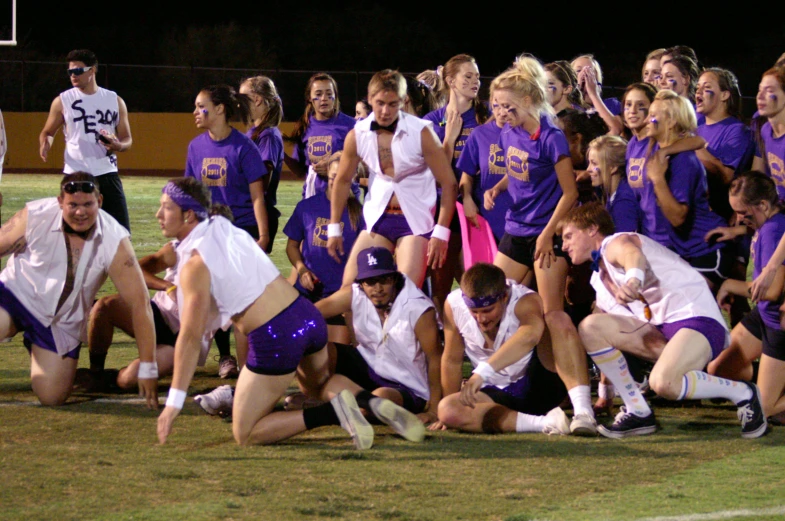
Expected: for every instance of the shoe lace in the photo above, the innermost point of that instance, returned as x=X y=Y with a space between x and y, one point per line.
x=621 y=415
x=745 y=414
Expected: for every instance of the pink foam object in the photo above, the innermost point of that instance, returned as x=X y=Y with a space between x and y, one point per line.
x=479 y=245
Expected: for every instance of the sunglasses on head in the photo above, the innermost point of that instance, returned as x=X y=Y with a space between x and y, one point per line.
x=78 y=71
x=373 y=281
x=71 y=187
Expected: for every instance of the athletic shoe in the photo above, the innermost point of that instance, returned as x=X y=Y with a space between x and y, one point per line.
x=217 y=402
x=406 y=424
x=628 y=424
x=750 y=413
x=227 y=367
x=583 y=425
x=556 y=422
x=298 y=401
x=352 y=420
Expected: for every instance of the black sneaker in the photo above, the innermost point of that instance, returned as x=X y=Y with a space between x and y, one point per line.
x=628 y=424
x=750 y=413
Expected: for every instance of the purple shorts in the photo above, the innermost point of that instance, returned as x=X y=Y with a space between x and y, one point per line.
x=392 y=226
x=34 y=331
x=276 y=348
x=353 y=366
x=708 y=327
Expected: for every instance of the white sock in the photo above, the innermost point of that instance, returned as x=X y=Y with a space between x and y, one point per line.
x=580 y=396
x=529 y=423
x=696 y=385
x=606 y=391
x=614 y=366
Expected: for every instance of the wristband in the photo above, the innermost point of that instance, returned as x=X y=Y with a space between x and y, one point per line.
x=176 y=398
x=441 y=232
x=634 y=273
x=485 y=370
x=148 y=370
x=170 y=289
x=334 y=230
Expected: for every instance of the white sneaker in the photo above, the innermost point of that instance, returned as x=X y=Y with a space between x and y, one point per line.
x=583 y=425
x=556 y=422
x=227 y=367
x=352 y=420
x=402 y=421
x=217 y=402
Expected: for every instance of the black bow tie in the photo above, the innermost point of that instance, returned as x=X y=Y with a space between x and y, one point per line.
x=388 y=128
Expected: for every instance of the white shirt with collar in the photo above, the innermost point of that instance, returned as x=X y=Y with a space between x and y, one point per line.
x=391 y=349
x=36 y=275
x=413 y=184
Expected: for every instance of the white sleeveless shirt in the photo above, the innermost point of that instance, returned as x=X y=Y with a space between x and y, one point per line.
x=85 y=115
x=36 y=275
x=391 y=349
x=474 y=341
x=413 y=183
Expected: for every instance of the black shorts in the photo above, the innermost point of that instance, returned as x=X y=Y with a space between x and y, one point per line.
x=773 y=340
x=163 y=333
x=114 y=198
x=521 y=249
x=715 y=266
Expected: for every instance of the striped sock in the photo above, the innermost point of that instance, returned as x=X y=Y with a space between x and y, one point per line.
x=696 y=385
x=613 y=364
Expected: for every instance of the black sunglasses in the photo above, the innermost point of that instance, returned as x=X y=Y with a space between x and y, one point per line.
x=78 y=71
x=71 y=187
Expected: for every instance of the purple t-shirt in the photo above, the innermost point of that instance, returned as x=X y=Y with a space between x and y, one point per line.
x=308 y=226
x=533 y=184
x=439 y=119
x=270 y=143
x=624 y=209
x=764 y=242
x=613 y=105
x=322 y=139
x=483 y=159
x=654 y=225
x=227 y=168
x=731 y=142
x=775 y=157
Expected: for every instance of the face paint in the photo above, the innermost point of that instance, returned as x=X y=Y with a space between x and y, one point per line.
x=552 y=87
x=204 y=111
x=672 y=83
x=708 y=93
x=773 y=97
x=653 y=121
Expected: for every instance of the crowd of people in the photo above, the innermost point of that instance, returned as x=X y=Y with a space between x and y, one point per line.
x=623 y=229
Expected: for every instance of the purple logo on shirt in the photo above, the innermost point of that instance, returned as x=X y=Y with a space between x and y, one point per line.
x=777 y=167
x=213 y=171
x=635 y=171
x=319 y=147
x=518 y=164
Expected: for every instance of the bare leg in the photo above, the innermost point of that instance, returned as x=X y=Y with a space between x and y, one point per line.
x=735 y=362
x=486 y=416
x=688 y=350
x=164 y=357
x=364 y=240
x=443 y=277
x=410 y=256
x=52 y=376
x=106 y=314
x=771 y=381
x=512 y=270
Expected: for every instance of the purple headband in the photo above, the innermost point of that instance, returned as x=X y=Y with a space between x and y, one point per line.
x=184 y=201
x=483 y=302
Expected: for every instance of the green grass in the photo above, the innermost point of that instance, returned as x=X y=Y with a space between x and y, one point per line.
x=93 y=460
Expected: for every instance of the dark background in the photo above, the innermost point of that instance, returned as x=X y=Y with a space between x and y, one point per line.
x=157 y=55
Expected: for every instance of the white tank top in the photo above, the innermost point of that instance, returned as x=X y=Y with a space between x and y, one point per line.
x=391 y=349
x=474 y=341
x=413 y=183
x=673 y=289
x=85 y=115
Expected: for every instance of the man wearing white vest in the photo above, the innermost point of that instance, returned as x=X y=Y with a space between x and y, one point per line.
x=95 y=122
x=61 y=251
x=398 y=352
x=499 y=325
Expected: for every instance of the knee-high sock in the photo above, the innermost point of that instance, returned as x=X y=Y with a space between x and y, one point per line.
x=612 y=363
x=696 y=385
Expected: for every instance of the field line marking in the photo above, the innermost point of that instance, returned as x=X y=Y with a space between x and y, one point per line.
x=722 y=514
x=97 y=400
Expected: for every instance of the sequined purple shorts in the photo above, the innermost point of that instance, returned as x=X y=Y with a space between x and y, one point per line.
x=276 y=348
x=393 y=226
x=708 y=327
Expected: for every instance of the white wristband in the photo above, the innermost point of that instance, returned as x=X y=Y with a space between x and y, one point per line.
x=441 y=232
x=148 y=370
x=334 y=230
x=485 y=370
x=176 y=398
x=634 y=273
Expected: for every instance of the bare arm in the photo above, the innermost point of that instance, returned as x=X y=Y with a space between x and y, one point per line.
x=426 y=330
x=260 y=212
x=614 y=123
x=566 y=177
x=674 y=211
x=762 y=284
x=528 y=310
x=154 y=264
x=434 y=158
x=295 y=166
x=12 y=233
x=625 y=251
x=714 y=166
x=759 y=164
x=452 y=358
x=54 y=121
x=470 y=209
x=337 y=303
x=341 y=188
x=306 y=277
x=128 y=278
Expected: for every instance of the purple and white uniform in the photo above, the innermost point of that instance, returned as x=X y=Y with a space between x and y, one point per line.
x=439 y=119
x=308 y=226
x=227 y=168
x=533 y=183
x=775 y=157
x=483 y=159
x=321 y=140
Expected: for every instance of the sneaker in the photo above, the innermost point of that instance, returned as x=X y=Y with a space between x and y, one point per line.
x=227 y=367
x=406 y=424
x=352 y=420
x=583 y=425
x=217 y=402
x=556 y=422
x=299 y=401
x=750 y=413
x=628 y=424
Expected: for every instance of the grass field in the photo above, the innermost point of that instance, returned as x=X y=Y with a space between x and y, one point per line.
x=97 y=457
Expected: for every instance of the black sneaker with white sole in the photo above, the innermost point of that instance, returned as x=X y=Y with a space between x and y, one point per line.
x=627 y=424
x=750 y=413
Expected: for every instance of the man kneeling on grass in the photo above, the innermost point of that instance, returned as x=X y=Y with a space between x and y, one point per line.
x=499 y=324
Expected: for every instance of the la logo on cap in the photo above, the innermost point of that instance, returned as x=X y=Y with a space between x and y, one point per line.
x=371 y=260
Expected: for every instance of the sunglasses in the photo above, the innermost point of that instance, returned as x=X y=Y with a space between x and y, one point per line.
x=78 y=71
x=73 y=187
x=373 y=281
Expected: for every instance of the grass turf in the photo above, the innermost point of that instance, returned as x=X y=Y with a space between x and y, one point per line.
x=91 y=459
